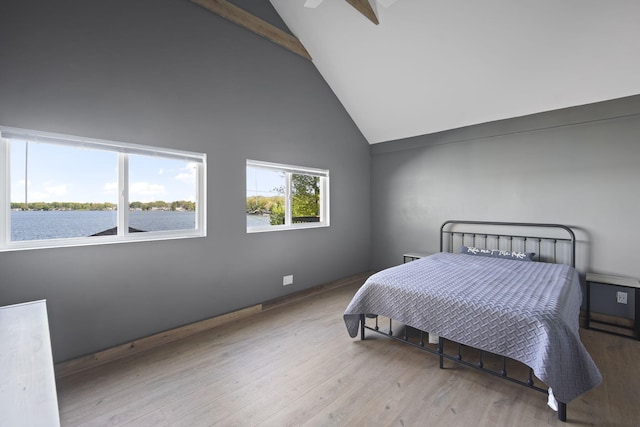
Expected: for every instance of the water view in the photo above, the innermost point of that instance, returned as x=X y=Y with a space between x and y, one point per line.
x=258 y=220
x=39 y=225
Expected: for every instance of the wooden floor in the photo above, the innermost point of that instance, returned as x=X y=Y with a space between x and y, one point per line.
x=295 y=365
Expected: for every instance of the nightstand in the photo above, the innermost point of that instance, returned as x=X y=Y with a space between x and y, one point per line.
x=412 y=256
x=619 y=282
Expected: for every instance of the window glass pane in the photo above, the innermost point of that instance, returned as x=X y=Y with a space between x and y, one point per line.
x=61 y=191
x=282 y=197
x=265 y=197
x=162 y=194
x=305 y=198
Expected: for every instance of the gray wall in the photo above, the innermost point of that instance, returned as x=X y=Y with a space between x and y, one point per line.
x=171 y=74
x=578 y=167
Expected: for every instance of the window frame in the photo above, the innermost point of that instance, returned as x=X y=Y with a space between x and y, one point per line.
x=289 y=170
x=123 y=151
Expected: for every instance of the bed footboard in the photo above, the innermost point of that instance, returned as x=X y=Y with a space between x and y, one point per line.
x=417 y=338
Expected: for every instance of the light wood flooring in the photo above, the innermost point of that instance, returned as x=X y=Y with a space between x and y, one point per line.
x=295 y=365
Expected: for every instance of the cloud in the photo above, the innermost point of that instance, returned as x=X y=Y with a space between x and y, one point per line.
x=39 y=196
x=146 y=189
x=48 y=192
x=110 y=189
x=55 y=190
x=188 y=173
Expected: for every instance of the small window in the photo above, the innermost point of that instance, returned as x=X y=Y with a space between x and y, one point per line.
x=60 y=190
x=282 y=197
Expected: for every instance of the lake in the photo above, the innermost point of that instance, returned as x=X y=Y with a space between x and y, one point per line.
x=258 y=220
x=40 y=225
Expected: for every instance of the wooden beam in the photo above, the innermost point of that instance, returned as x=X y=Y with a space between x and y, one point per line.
x=252 y=23
x=364 y=7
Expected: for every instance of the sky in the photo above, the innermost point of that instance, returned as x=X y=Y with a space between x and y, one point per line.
x=263 y=182
x=68 y=174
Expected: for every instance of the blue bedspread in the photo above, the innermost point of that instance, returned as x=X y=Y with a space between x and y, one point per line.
x=527 y=311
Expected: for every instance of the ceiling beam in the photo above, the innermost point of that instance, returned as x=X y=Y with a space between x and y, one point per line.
x=364 y=7
x=252 y=23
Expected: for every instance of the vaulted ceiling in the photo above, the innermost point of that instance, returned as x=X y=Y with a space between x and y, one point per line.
x=434 y=65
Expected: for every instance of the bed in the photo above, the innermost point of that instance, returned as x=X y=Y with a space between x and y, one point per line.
x=512 y=294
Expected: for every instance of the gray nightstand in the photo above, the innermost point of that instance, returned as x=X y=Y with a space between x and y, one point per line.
x=619 y=282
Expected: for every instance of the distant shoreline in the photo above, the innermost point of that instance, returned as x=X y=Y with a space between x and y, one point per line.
x=43 y=225
x=159 y=205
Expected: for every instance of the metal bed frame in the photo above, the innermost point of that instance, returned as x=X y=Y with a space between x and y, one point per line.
x=452 y=237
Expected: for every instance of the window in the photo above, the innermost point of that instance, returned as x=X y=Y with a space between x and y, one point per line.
x=60 y=190
x=282 y=197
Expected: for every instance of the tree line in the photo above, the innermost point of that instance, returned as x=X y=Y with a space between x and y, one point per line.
x=258 y=205
x=106 y=206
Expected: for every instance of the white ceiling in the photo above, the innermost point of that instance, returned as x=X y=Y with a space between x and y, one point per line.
x=433 y=65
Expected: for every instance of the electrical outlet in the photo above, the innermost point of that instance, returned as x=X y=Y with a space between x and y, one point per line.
x=288 y=280
x=621 y=297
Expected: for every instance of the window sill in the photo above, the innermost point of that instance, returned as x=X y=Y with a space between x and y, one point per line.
x=271 y=228
x=102 y=240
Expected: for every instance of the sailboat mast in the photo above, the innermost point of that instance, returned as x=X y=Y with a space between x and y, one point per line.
x=26 y=174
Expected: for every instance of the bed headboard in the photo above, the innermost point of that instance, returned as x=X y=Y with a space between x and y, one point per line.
x=553 y=243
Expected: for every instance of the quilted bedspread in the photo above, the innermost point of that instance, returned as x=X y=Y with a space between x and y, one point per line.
x=527 y=311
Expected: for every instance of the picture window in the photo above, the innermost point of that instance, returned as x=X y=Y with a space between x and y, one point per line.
x=61 y=190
